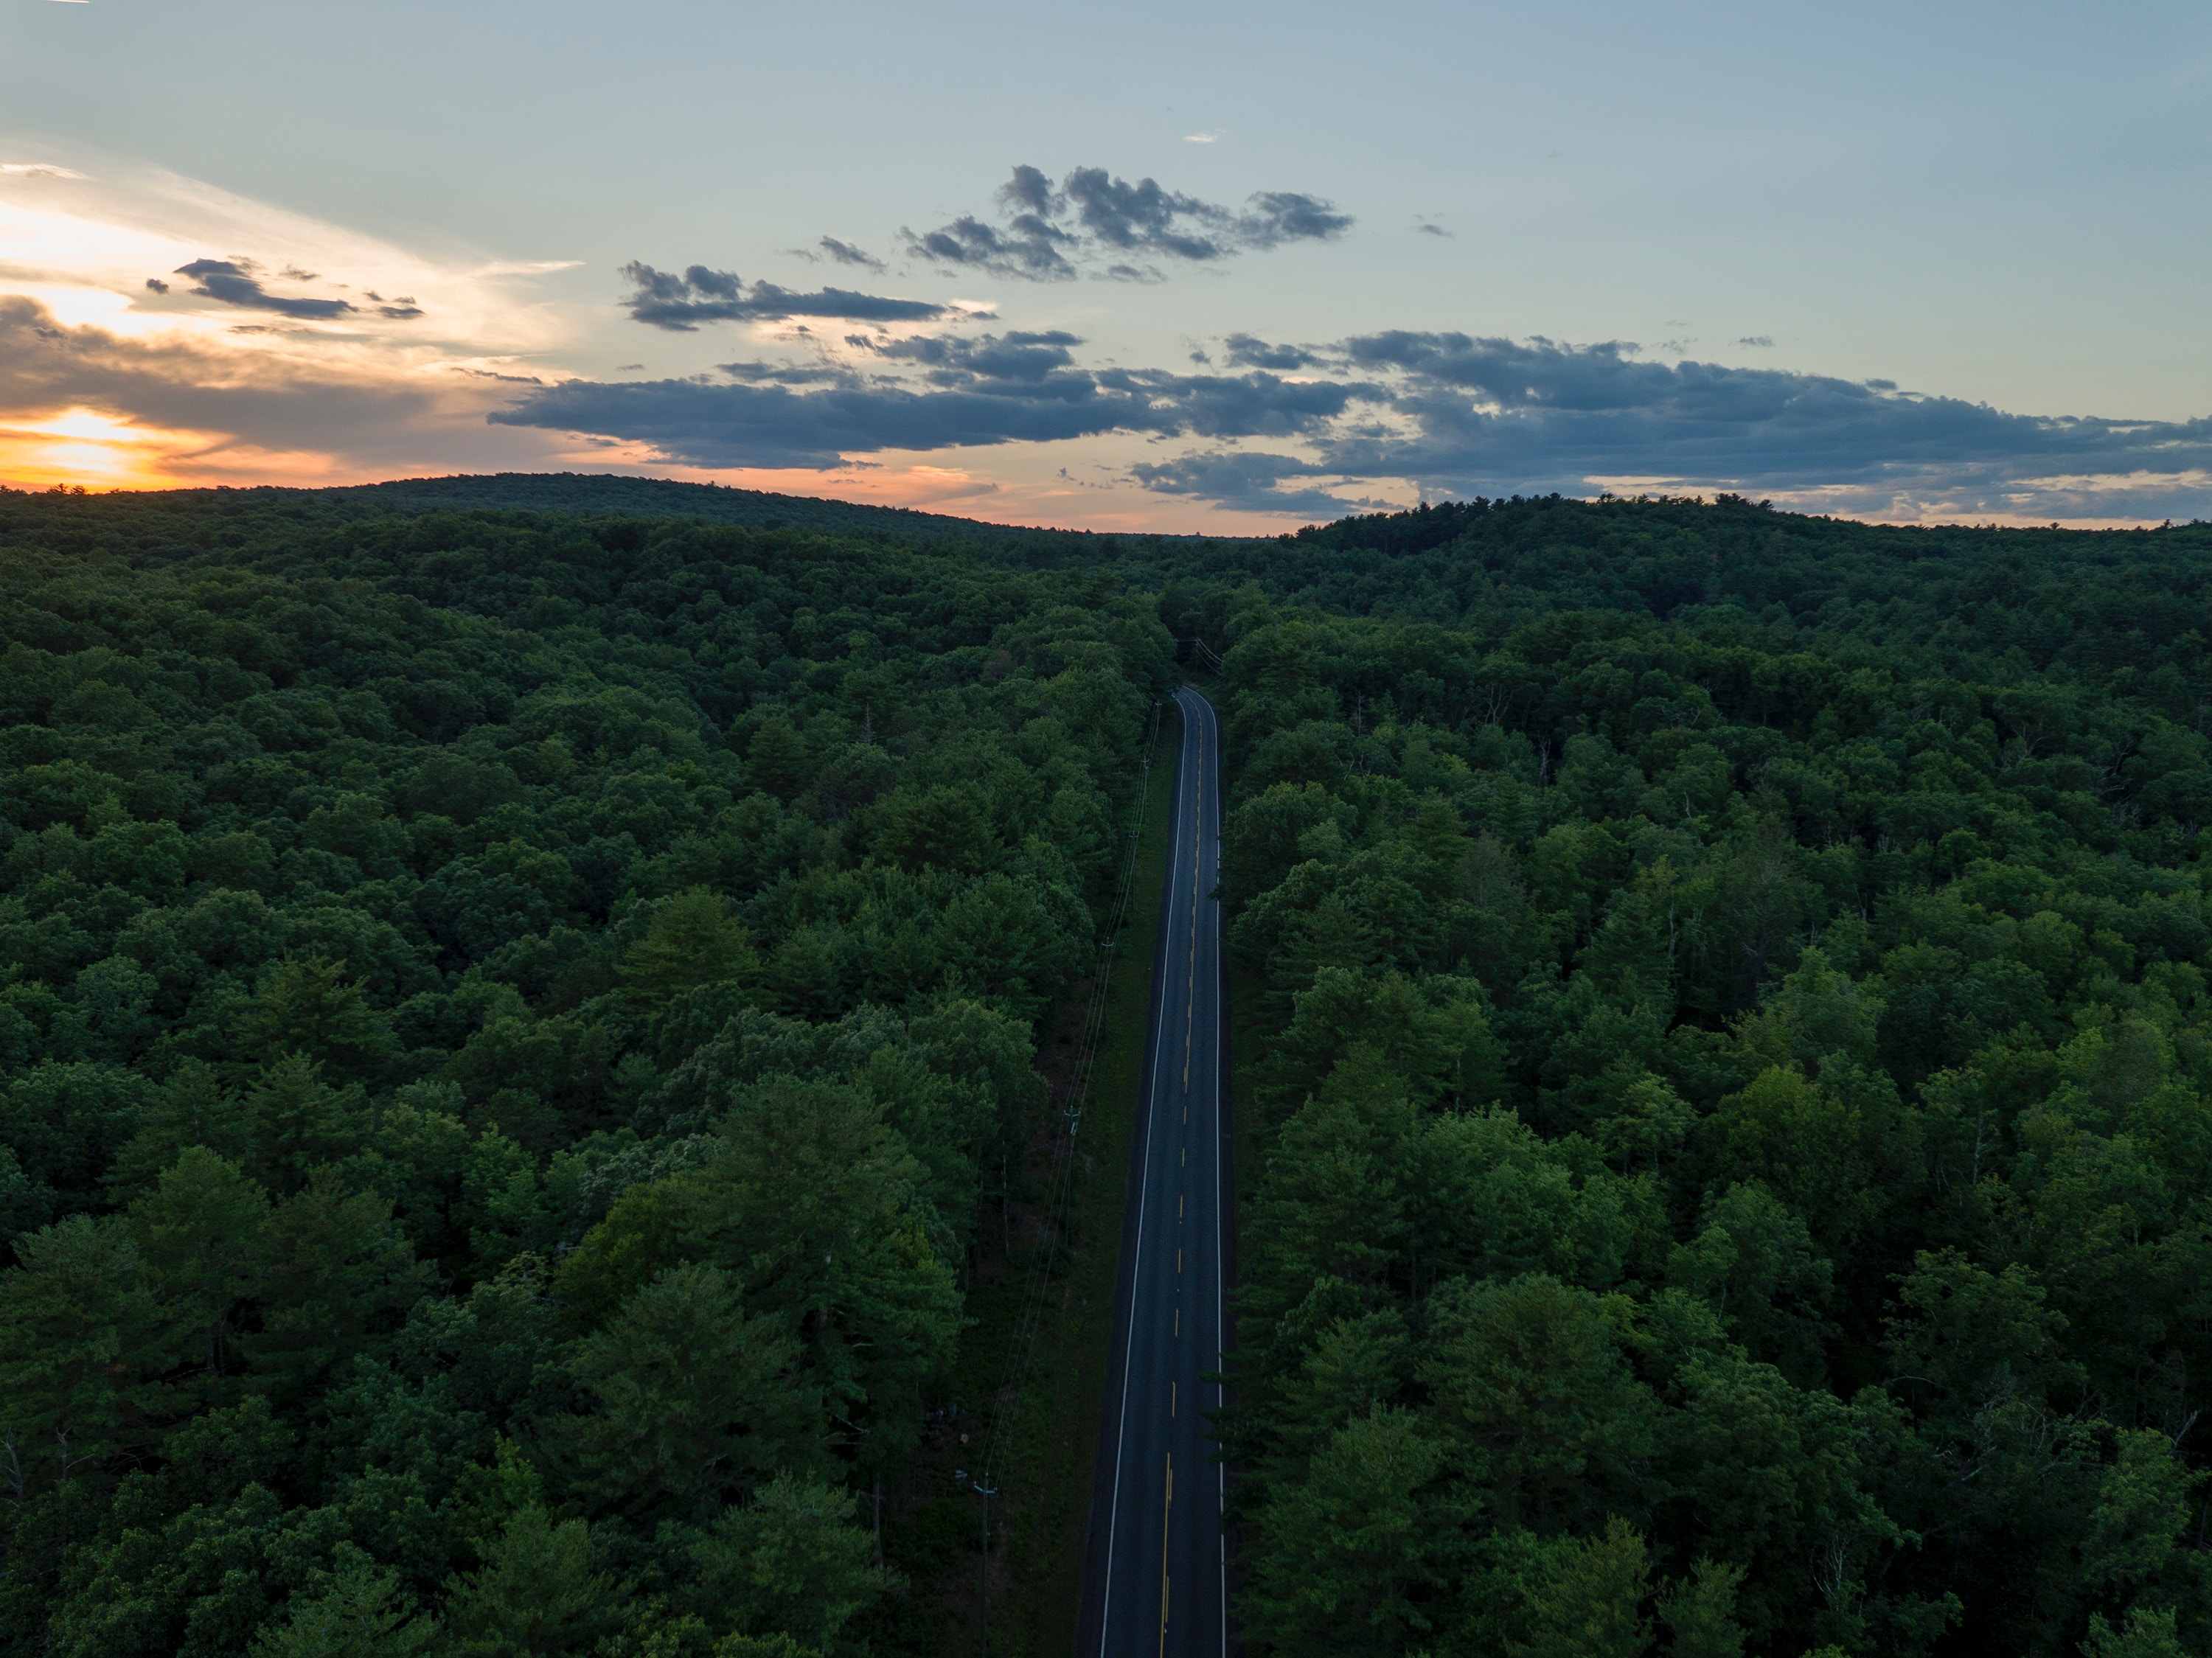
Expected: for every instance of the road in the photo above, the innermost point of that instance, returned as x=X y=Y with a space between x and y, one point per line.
x=1157 y=1575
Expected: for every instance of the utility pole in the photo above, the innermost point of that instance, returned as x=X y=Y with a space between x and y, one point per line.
x=987 y=1492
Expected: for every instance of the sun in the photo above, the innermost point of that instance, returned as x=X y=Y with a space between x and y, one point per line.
x=85 y=446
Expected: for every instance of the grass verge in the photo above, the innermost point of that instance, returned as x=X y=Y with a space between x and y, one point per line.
x=1043 y=1501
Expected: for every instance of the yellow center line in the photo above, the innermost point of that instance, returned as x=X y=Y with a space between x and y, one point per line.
x=1171 y=1399
x=1167 y=1509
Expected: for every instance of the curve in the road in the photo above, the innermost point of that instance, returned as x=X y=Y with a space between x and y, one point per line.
x=1157 y=1579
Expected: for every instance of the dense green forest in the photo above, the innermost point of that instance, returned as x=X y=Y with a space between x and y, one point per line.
x=1736 y=1046
x=514 y=1029
x=518 y=1031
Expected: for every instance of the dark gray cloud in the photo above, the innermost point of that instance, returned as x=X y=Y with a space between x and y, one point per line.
x=1498 y=413
x=1763 y=341
x=1048 y=232
x=1275 y=217
x=944 y=392
x=950 y=360
x=680 y=303
x=233 y=282
x=1253 y=480
x=1448 y=414
x=1472 y=416
x=838 y=252
x=846 y=254
x=1246 y=352
x=1027 y=248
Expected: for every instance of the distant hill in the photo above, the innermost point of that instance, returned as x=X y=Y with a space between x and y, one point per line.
x=600 y=494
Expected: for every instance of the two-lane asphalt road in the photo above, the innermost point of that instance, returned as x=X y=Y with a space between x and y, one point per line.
x=1156 y=1580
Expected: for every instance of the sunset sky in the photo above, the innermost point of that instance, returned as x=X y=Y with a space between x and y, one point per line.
x=1143 y=266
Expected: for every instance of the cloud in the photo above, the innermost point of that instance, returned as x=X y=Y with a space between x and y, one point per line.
x=115 y=375
x=1275 y=217
x=36 y=170
x=840 y=252
x=1050 y=233
x=846 y=254
x=1763 y=342
x=1428 y=228
x=258 y=397
x=952 y=360
x=1248 y=480
x=1029 y=247
x=1246 y=352
x=1201 y=138
x=1442 y=413
x=232 y=282
x=679 y=304
x=1485 y=414
x=106 y=377
x=1013 y=388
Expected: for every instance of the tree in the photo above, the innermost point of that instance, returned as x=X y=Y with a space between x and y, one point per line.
x=812 y=1210
x=695 y=1400
x=335 y=1270
x=299 y=1121
x=1962 y=1334
x=692 y=940
x=1532 y=1385
x=791 y=1562
x=308 y=1008
x=1345 y=1563
x=1699 y=1613
x=1814 y=1150
x=1755 y=1262
x=777 y=758
x=199 y=1235
x=192 y=1107
x=82 y=1345
x=942 y=828
x=2147 y=1633
x=1586 y=1597
x=64 y=1122
x=535 y=1595
x=356 y=1611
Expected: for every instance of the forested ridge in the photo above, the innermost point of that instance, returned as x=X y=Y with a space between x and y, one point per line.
x=518 y=1030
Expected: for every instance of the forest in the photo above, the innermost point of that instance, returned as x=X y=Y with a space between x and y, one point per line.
x=519 y=1029
x=1732 y=1044
x=513 y=1028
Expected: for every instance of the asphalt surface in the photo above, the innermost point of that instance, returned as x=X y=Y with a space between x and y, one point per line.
x=1157 y=1575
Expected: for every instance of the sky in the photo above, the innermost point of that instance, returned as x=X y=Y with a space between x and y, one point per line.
x=1159 y=268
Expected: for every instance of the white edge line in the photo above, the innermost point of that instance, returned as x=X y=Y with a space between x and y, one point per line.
x=1144 y=1191
x=1220 y=1215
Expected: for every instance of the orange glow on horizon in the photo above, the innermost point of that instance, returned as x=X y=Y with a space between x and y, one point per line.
x=84 y=448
